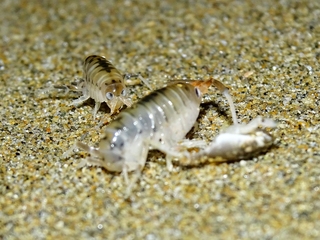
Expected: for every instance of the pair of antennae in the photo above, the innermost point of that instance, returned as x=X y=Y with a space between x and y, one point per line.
x=203 y=86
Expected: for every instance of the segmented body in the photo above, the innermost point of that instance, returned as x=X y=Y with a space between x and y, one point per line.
x=159 y=121
x=238 y=142
x=103 y=83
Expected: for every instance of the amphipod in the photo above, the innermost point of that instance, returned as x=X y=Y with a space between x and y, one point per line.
x=238 y=142
x=103 y=83
x=158 y=121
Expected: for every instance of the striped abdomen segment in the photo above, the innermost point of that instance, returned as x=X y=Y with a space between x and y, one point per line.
x=104 y=83
x=100 y=74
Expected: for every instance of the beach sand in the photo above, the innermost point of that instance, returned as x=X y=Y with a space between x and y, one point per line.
x=266 y=52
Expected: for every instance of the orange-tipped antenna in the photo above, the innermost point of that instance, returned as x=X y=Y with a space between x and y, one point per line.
x=204 y=86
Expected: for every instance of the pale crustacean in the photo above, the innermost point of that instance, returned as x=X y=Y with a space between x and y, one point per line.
x=158 y=121
x=237 y=142
x=103 y=83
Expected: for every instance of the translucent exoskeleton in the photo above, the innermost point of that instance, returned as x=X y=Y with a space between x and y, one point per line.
x=238 y=142
x=158 y=121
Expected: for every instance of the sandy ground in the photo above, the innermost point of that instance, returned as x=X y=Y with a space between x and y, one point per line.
x=267 y=52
